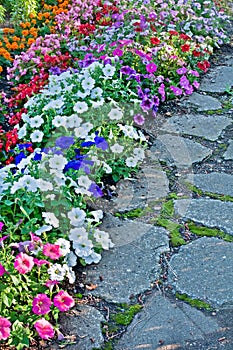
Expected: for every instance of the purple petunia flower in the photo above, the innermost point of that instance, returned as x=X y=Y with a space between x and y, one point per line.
x=176 y=91
x=139 y=119
x=184 y=82
x=127 y=70
x=182 y=70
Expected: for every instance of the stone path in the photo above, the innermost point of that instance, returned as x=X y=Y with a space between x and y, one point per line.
x=186 y=291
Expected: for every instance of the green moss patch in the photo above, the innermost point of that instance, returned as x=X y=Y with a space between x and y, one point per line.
x=198 y=304
x=173 y=228
x=125 y=318
x=209 y=232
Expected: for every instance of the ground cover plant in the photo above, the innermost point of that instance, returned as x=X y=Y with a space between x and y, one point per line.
x=81 y=89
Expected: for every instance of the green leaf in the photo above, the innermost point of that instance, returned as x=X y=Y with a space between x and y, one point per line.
x=15 y=280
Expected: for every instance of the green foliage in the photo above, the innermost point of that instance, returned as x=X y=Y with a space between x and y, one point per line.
x=135 y=213
x=168 y=209
x=2 y=13
x=173 y=228
x=19 y=10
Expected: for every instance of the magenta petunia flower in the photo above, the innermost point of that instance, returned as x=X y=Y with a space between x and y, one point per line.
x=4 y=328
x=63 y=301
x=44 y=329
x=41 y=262
x=151 y=67
x=117 y=52
x=2 y=270
x=41 y=304
x=23 y=263
x=53 y=251
x=1 y=225
x=139 y=119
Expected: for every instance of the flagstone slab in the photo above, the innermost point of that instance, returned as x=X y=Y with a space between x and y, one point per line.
x=179 y=151
x=203 y=269
x=228 y=155
x=204 y=102
x=219 y=183
x=83 y=326
x=209 y=127
x=217 y=79
x=208 y=212
x=132 y=265
x=166 y=322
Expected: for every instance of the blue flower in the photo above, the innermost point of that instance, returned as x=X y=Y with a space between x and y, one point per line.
x=19 y=157
x=95 y=190
x=64 y=141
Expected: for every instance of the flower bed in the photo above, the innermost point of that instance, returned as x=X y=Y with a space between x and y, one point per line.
x=80 y=94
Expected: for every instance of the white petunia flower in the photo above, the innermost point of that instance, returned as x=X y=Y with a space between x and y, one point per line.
x=92 y=258
x=107 y=168
x=43 y=229
x=131 y=162
x=37 y=136
x=88 y=83
x=99 y=103
x=82 y=95
x=115 y=114
x=25 y=118
x=44 y=185
x=82 y=191
x=70 y=274
x=22 y=131
x=59 y=121
x=57 y=272
x=64 y=245
x=116 y=148
x=71 y=259
x=80 y=107
x=29 y=182
x=57 y=162
x=77 y=233
x=109 y=70
x=54 y=104
x=77 y=217
x=36 y=122
x=73 y=121
x=102 y=237
x=84 y=181
x=96 y=93
x=139 y=153
x=83 y=247
x=50 y=219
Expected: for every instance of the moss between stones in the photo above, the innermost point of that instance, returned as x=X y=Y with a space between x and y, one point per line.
x=173 y=228
x=167 y=210
x=209 y=232
x=221 y=197
x=125 y=318
x=199 y=304
x=135 y=213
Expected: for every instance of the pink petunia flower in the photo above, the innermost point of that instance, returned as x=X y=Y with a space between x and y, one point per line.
x=4 y=328
x=2 y=270
x=23 y=263
x=44 y=329
x=41 y=262
x=41 y=304
x=63 y=301
x=53 y=251
x=1 y=225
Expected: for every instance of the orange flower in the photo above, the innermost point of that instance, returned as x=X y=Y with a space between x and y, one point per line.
x=30 y=41
x=15 y=38
x=21 y=46
x=1 y=69
x=40 y=16
x=27 y=24
x=33 y=21
x=14 y=46
x=22 y=25
x=25 y=32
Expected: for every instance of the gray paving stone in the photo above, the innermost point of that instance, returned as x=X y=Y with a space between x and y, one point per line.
x=203 y=270
x=84 y=324
x=219 y=183
x=179 y=151
x=204 y=102
x=131 y=266
x=228 y=155
x=209 y=212
x=217 y=80
x=209 y=127
x=161 y=320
